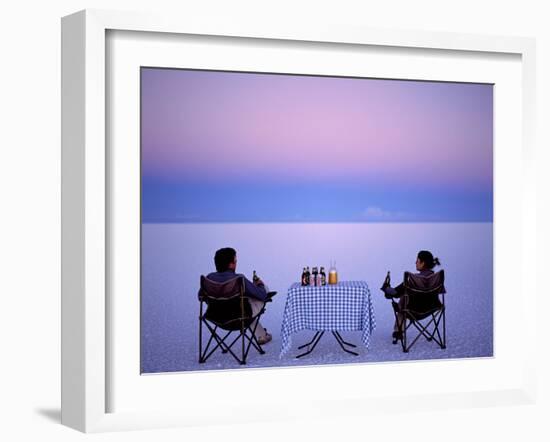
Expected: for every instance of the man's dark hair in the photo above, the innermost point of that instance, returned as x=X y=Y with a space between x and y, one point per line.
x=223 y=258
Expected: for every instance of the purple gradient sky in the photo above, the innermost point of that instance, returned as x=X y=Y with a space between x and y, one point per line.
x=200 y=126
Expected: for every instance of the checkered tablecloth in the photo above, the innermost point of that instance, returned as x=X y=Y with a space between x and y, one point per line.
x=340 y=307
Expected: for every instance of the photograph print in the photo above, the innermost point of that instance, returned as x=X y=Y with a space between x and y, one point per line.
x=305 y=220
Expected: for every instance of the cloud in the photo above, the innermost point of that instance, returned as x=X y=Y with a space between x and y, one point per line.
x=374 y=213
x=181 y=217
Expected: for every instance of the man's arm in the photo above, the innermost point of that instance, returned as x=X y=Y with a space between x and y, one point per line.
x=254 y=291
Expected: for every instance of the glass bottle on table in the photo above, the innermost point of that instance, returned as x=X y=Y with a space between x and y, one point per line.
x=323 y=276
x=333 y=274
x=308 y=276
x=314 y=276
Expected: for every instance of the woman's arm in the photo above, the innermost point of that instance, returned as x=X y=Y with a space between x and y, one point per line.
x=396 y=292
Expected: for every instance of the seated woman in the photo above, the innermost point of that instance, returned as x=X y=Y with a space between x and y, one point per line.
x=425 y=262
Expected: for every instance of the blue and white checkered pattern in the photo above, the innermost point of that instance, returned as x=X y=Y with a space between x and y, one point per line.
x=340 y=307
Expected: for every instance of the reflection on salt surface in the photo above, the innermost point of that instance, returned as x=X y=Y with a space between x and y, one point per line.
x=175 y=255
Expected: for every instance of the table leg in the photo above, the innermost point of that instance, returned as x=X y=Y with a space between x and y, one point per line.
x=342 y=340
x=310 y=342
x=314 y=341
x=342 y=343
x=317 y=337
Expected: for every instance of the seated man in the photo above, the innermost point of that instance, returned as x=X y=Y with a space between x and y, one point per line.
x=256 y=293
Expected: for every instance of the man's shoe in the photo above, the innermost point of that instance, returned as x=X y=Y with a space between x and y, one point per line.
x=265 y=339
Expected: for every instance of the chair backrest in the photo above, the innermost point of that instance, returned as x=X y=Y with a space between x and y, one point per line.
x=213 y=290
x=422 y=292
x=226 y=303
x=430 y=284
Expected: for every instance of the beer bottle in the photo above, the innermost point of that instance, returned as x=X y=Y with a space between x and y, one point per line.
x=314 y=281
x=303 y=280
x=255 y=277
x=386 y=282
x=323 y=276
x=308 y=275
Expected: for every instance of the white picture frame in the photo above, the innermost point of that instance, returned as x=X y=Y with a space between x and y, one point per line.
x=86 y=204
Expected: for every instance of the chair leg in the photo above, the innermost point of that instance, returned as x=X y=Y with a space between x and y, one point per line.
x=220 y=343
x=431 y=335
x=424 y=330
x=421 y=332
x=404 y=334
x=439 y=339
x=207 y=354
x=397 y=324
x=253 y=339
x=226 y=347
x=254 y=343
x=204 y=355
x=243 y=359
x=444 y=346
x=436 y=318
x=200 y=335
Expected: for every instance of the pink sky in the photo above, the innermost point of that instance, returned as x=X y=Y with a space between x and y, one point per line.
x=297 y=127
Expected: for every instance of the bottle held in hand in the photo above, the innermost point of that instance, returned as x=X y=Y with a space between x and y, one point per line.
x=255 y=277
x=387 y=281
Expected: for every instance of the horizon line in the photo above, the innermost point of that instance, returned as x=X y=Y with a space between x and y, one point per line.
x=321 y=222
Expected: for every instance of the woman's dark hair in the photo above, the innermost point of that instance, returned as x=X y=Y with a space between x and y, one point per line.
x=223 y=258
x=428 y=259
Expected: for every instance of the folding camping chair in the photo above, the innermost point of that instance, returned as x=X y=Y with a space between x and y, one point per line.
x=423 y=307
x=227 y=311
